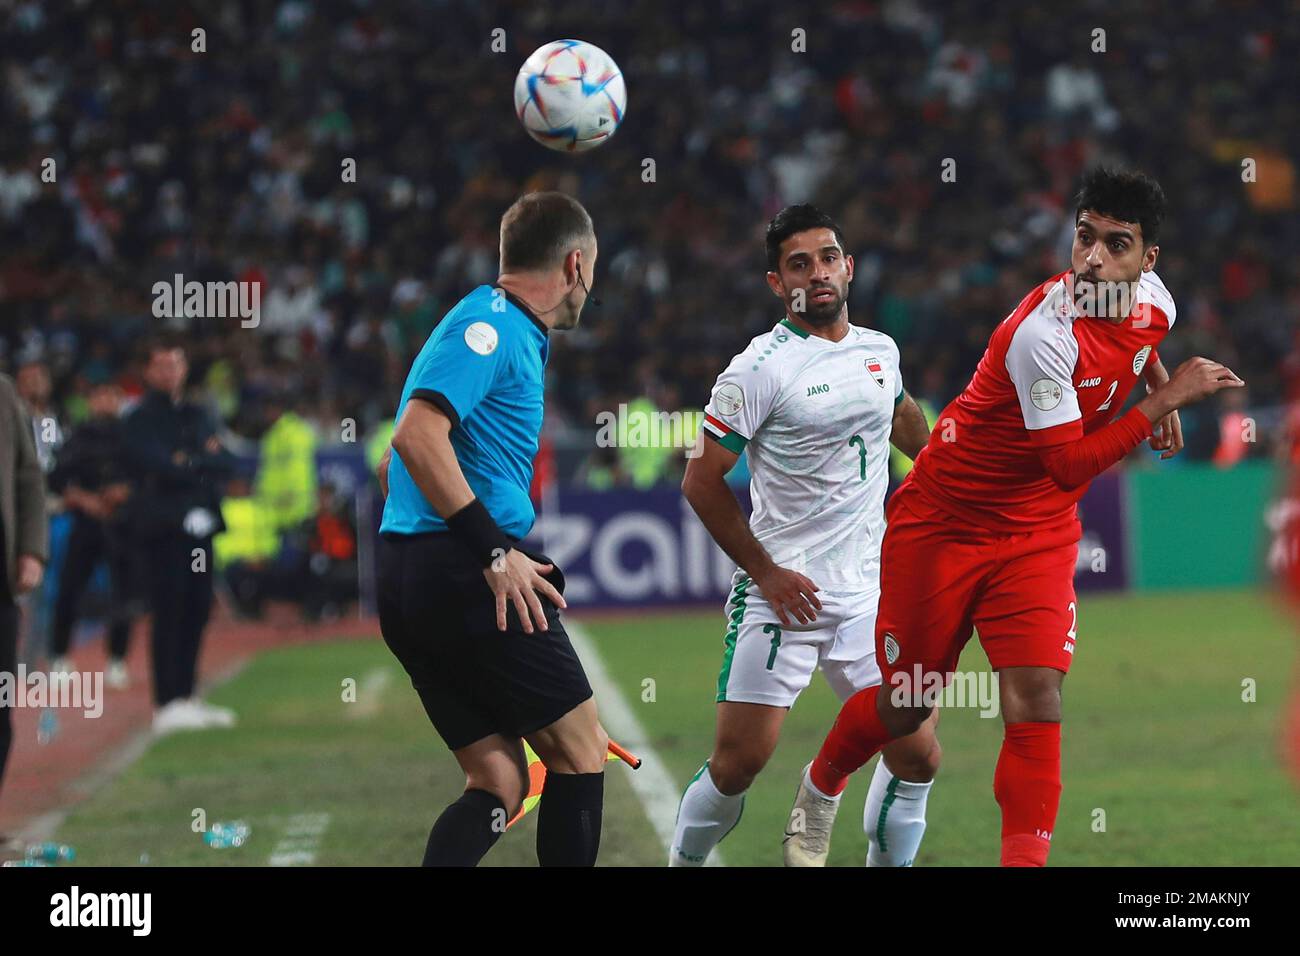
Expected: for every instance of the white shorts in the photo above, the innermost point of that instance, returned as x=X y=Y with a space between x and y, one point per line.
x=766 y=662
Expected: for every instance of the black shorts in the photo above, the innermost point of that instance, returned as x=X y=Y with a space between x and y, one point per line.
x=438 y=617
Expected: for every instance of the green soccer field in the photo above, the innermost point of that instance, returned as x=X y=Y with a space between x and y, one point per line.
x=1156 y=735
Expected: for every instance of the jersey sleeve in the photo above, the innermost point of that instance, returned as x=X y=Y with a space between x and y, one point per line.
x=464 y=363
x=741 y=400
x=1040 y=360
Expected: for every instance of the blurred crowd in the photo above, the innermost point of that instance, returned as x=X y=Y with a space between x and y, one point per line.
x=278 y=528
x=228 y=164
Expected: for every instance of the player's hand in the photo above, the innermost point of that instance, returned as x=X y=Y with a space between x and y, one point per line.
x=30 y=572
x=790 y=594
x=1195 y=379
x=516 y=577
x=1167 y=436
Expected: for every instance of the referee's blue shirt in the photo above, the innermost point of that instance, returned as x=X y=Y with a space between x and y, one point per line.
x=484 y=367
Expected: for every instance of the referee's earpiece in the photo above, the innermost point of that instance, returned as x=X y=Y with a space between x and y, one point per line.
x=594 y=300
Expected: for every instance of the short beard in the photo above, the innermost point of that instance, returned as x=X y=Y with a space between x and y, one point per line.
x=819 y=313
x=1111 y=299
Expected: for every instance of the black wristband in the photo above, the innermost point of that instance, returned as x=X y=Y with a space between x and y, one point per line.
x=474 y=526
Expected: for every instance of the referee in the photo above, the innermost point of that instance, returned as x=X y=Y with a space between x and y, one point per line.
x=473 y=619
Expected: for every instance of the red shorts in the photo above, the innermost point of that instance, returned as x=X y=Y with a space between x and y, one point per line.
x=939 y=577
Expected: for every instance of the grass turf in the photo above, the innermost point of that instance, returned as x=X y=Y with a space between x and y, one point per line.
x=1156 y=735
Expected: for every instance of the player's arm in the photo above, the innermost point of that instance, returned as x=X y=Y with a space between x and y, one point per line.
x=1041 y=365
x=910 y=431
x=422 y=440
x=1167 y=435
x=1077 y=462
x=705 y=487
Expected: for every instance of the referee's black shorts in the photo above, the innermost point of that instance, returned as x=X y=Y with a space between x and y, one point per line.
x=438 y=617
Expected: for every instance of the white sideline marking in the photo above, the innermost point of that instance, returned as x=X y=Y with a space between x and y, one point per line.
x=301 y=840
x=370 y=692
x=653 y=784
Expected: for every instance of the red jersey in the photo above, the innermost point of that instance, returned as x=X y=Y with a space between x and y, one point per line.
x=1049 y=376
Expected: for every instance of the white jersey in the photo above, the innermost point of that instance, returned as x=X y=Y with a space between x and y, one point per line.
x=816 y=417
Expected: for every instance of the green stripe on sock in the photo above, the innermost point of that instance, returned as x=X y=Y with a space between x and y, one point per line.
x=736 y=614
x=891 y=792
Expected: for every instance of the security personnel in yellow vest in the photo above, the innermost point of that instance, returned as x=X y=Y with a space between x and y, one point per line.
x=285 y=486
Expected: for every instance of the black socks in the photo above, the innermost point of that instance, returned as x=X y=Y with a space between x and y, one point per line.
x=568 y=819
x=568 y=824
x=467 y=829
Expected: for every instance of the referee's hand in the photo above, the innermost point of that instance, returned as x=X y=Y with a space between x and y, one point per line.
x=518 y=577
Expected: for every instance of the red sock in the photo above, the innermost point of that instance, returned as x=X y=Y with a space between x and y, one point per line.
x=854 y=739
x=1027 y=785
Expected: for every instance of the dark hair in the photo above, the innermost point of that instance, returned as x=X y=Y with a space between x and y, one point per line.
x=540 y=229
x=161 y=342
x=1125 y=195
x=792 y=219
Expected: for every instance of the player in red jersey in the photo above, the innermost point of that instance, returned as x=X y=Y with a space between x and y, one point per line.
x=984 y=534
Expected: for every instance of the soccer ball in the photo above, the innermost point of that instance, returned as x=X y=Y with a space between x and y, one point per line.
x=570 y=96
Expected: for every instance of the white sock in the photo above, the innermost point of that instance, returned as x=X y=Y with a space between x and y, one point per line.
x=704 y=817
x=808 y=782
x=894 y=818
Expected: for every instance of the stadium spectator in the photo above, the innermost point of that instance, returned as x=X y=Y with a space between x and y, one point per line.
x=24 y=528
x=331 y=567
x=286 y=473
x=178 y=466
x=91 y=477
x=35 y=389
x=243 y=183
x=246 y=549
x=313 y=564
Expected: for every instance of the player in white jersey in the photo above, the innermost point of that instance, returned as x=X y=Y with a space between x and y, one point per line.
x=816 y=402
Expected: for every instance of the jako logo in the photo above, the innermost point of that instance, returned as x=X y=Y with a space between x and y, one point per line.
x=103 y=909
